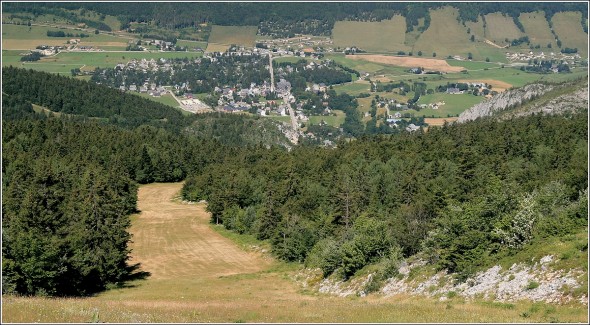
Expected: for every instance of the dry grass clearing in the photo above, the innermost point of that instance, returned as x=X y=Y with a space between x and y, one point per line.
x=439 y=121
x=499 y=28
x=386 y=35
x=568 y=27
x=199 y=276
x=537 y=28
x=239 y=35
x=497 y=85
x=213 y=47
x=445 y=35
x=409 y=62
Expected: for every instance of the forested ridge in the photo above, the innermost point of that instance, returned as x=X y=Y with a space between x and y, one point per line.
x=463 y=195
x=315 y=18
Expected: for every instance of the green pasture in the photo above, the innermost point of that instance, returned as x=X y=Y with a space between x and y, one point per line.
x=353 y=88
x=109 y=60
x=239 y=35
x=23 y=32
x=165 y=99
x=568 y=27
x=333 y=120
x=386 y=35
x=192 y=44
x=472 y=65
x=454 y=104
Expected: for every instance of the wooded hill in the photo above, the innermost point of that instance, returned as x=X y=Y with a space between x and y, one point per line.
x=317 y=18
x=464 y=195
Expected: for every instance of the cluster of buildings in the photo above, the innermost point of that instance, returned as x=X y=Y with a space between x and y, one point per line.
x=147 y=88
x=569 y=59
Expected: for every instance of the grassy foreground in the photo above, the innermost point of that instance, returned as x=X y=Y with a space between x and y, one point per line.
x=202 y=273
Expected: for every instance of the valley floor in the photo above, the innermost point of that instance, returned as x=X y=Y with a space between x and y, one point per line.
x=197 y=275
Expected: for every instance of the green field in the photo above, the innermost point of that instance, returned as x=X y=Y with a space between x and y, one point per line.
x=289 y=59
x=472 y=65
x=335 y=120
x=568 y=27
x=383 y=36
x=454 y=104
x=25 y=37
x=239 y=35
x=537 y=29
x=192 y=44
x=500 y=27
x=165 y=99
x=353 y=88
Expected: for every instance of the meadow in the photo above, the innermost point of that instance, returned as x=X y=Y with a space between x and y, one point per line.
x=333 y=120
x=500 y=27
x=22 y=37
x=227 y=35
x=199 y=272
x=537 y=28
x=445 y=36
x=568 y=27
x=384 y=36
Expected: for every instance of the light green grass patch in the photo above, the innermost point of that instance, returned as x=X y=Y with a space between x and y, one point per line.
x=472 y=65
x=454 y=104
x=333 y=120
x=384 y=36
x=192 y=44
x=353 y=88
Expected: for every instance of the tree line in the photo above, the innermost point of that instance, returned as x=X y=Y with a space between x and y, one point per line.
x=461 y=195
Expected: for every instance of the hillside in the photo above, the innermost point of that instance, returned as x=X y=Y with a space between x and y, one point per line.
x=532 y=99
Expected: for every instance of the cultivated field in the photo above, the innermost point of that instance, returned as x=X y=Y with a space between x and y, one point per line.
x=568 y=27
x=409 y=62
x=499 y=27
x=537 y=28
x=198 y=275
x=239 y=35
x=383 y=36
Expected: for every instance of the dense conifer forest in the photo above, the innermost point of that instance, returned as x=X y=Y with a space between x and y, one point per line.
x=463 y=195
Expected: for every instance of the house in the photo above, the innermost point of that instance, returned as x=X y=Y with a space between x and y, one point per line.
x=397 y=115
x=454 y=90
x=412 y=128
x=283 y=86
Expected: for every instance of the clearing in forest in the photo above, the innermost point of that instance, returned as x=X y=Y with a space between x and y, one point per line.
x=500 y=27
x=200 y=276
x=383 y=36
x=568 y=27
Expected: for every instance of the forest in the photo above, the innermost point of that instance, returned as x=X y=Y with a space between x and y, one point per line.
x=284 y=19
x=463 y=195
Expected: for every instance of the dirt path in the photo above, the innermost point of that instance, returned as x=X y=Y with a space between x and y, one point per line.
x=173 y=239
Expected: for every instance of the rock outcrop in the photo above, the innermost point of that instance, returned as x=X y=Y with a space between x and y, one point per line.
x=504 y=100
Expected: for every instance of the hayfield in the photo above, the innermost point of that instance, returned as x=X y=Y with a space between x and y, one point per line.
x=537 y=28
x=454 y=104
x=214 y=47
x=239 y=35
x=499 y=27
x=333 y=120
x=199 y=275
x=445 y=36
x=409 y=62
x=568 y=27
x=383 y=36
